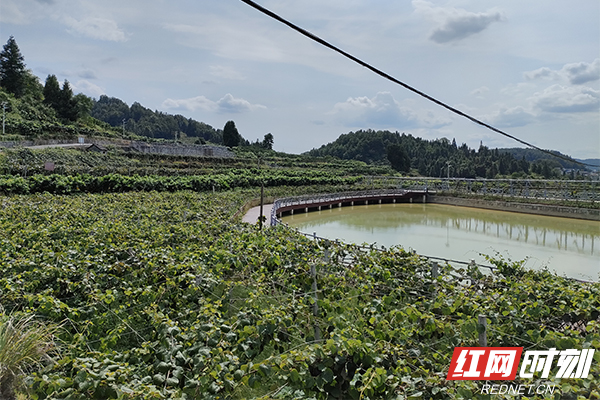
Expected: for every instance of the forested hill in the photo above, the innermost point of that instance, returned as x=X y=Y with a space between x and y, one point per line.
x=430 y=158
x=34 y=110
x=155 y=124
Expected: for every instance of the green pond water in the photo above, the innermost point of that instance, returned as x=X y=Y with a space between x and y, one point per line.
x=569 y=247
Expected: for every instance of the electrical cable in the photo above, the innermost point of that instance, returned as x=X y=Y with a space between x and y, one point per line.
x=406 y=86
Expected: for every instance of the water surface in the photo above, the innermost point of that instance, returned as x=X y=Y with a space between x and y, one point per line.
x=567 y=246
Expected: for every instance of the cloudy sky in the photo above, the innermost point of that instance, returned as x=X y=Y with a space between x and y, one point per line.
x=529 y=68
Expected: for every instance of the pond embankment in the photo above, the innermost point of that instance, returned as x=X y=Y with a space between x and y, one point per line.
x=591 y=214
x=553 y=210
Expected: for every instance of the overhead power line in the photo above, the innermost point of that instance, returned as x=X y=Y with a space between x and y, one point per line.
x=406 y=86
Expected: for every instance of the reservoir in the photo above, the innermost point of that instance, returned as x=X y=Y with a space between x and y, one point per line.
x=569 y=247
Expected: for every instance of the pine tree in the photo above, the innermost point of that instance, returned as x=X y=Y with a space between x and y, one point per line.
x=67 y=106
x=12 y=68
x=52 y=92
x=33 y=87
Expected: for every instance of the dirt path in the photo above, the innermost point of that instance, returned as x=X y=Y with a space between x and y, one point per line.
x=251 y=216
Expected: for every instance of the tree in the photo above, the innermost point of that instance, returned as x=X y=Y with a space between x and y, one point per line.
x=83 y=105
x=267 y=142
x=32 y=86
x=112 y=110
x=67 y=106
x=231 y=136
x=398 y=157
x=12 y=68
x=52 y=92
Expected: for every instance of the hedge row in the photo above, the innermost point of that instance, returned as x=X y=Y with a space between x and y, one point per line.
x=60 y=184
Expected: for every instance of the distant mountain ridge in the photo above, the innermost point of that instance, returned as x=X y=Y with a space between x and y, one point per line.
x=533 y=155
x=431 y=157
x=592 y=161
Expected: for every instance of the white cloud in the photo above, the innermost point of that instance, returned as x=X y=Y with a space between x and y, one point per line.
x=511 y=117
x=229 y=104
x=561 y=99
x=88 y=88
x=576 y=73
x=582 y=72
x=463 y=26
x=226 y=105
x=383 y=111
x=541 y=73
x=191 y=104
x=96 y=28
x=455 y=24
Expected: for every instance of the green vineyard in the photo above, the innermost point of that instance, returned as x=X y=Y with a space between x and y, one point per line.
x=161 y=292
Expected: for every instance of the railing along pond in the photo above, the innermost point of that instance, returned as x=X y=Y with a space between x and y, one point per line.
x=573 y=190
x=313 y=200
x=425 y=186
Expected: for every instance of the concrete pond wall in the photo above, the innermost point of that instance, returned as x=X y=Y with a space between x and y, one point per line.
x=528 y=208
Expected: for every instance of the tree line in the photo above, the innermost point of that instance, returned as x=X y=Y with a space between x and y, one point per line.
x=54 y=104
x=17 y=80
x=143 y=121
x=433 y=157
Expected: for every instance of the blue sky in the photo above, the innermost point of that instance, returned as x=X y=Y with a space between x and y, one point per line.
x=529 y=68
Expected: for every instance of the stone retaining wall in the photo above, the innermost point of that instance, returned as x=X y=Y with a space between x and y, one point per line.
x=180 y=150
x=172 y=149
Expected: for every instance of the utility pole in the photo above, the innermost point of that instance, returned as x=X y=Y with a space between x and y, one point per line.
x=123 y=128
x=448 y=176
x=262 y=198
x=262 y=201
x=315 y=307
x=482 y=322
